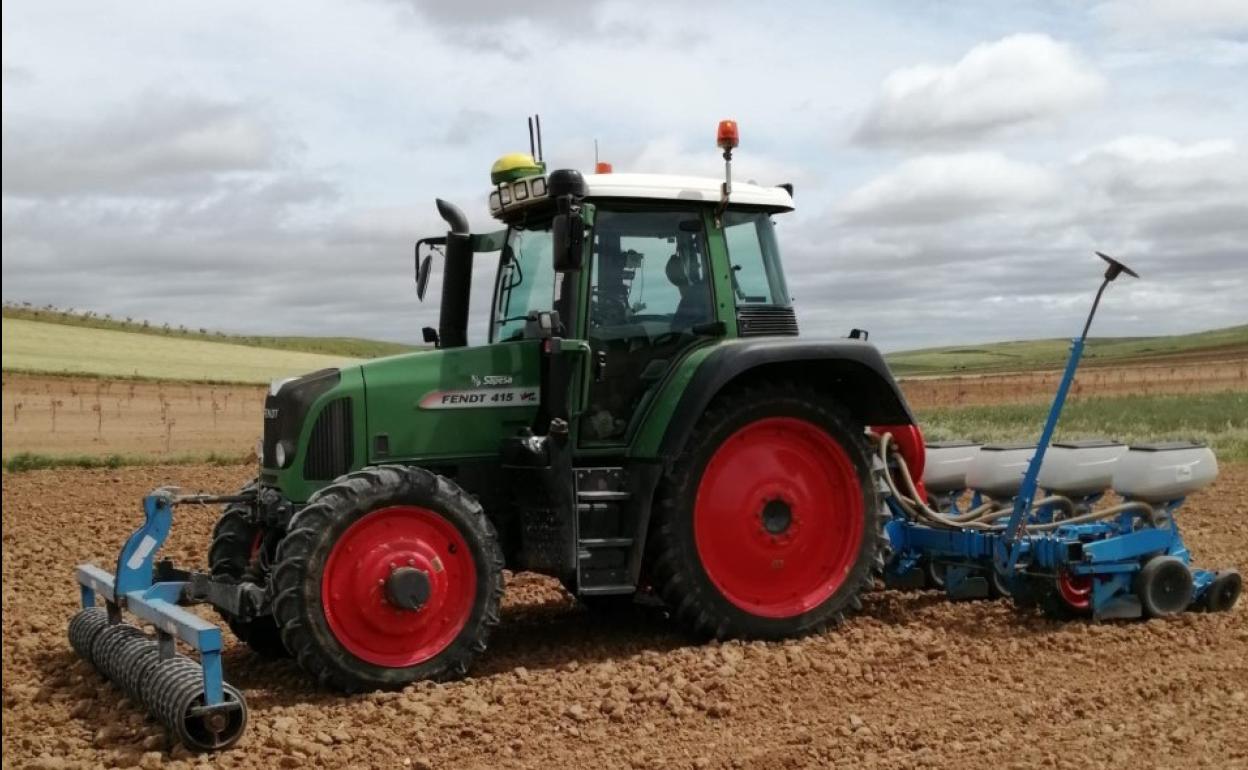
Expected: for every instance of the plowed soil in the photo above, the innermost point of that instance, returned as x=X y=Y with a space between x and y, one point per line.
x=912 y=681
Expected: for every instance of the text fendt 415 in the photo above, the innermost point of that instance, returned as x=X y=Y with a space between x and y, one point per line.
x=642 y=418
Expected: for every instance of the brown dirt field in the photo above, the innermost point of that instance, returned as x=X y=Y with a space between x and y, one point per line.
x=128 y=417
x=913 y=681
x=1023 y=387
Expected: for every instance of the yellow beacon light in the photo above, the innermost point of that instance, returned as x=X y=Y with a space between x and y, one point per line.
x=513 y=166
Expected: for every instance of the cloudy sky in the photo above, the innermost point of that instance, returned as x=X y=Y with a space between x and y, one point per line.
x=266 y=167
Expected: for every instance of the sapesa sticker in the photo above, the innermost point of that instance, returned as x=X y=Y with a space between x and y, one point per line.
x=484 y=398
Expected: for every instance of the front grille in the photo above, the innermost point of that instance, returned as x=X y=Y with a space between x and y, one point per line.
x=284 y=412
x=766 y=321
x=331 y=446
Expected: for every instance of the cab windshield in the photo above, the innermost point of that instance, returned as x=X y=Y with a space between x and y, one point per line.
x=526 y=281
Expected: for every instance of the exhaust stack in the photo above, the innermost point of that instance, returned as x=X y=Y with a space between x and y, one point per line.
x=456 y=278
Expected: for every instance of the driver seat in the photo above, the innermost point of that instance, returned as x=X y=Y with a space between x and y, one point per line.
x=694 y=306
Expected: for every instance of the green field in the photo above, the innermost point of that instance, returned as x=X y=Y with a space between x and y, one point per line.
x=53 y=348
x=1028 y=355
x=350 y=347
x=1221 y=419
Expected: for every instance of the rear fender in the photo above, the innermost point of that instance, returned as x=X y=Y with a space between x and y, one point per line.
x=852 y=371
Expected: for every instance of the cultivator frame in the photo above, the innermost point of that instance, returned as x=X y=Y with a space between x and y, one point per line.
x=191 y=699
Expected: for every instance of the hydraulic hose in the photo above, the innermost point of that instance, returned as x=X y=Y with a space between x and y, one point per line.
x=982 y=517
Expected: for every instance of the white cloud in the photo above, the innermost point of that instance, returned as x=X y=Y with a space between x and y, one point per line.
x=941 y=188
x=1019 y=80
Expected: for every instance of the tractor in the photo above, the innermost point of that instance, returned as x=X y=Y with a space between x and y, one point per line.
x=642 y=417
x=643 y=420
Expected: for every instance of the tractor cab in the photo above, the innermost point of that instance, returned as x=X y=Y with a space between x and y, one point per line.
x=645 y=269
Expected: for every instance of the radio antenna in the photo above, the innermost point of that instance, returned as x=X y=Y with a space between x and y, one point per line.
x=537 y=120
x=532 y=149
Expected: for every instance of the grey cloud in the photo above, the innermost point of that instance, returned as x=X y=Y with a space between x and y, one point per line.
x=465 y=125
x=158 y=144
x=935 y=189
x=13 y=75
x=499 y=25
x=483 y=13
x=1160 y=19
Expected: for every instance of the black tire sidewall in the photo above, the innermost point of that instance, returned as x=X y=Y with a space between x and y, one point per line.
x=329 y=515
x=1149 y=585
x=725 y=617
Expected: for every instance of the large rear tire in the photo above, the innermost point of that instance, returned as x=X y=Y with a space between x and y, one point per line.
x=237 y=554
x=768 y=525
x=388 y=576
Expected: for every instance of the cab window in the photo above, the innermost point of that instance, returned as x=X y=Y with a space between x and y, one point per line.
x=649 y=291
x=649 y=274
x=754 y=258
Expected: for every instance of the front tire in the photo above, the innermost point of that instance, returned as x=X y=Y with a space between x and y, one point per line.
x=388 y=576
x=236 y=555
x=768 y=525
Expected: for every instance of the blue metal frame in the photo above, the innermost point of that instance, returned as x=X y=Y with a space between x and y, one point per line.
x=132 y=588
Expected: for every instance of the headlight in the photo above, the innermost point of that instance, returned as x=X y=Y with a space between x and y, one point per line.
x=279 y=454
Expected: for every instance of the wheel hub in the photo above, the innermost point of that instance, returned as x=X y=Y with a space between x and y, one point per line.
x=777 y=516
x=398 y=586
x=408 y=588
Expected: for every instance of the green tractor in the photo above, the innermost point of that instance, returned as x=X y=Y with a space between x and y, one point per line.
x=643 y=417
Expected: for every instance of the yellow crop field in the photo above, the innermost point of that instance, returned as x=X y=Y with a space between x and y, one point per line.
x=34 y=346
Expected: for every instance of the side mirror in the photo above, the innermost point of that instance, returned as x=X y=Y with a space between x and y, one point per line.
x=423 y=268
x=430 y=334
x=567 y=233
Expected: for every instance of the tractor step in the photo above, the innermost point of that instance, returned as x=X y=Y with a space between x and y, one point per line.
x=605 y=542
x=605 y=517
x=590 y=497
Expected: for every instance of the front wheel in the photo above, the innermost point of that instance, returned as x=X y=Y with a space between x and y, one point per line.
x=389 y=575
x=239 y=552
x=768 y=524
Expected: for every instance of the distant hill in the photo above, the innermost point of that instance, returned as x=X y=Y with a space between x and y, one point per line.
x=52 y=348
x=1027 y=355
x=330 y=346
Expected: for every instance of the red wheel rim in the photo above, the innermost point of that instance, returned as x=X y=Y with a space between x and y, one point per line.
x=778 y=517
x=1075 y=590
x=353 y=586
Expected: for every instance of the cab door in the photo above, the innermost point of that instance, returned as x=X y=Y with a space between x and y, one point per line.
x=650 y=300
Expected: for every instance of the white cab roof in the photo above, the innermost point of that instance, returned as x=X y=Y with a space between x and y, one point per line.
x=685 y=188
